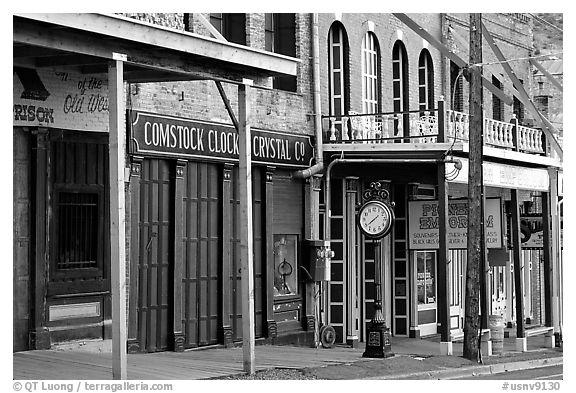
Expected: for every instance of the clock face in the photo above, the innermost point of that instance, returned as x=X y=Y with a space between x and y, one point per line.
x=375 y=219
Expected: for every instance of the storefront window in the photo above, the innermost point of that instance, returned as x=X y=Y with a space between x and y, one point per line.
x=426 y=276
x=285 y=265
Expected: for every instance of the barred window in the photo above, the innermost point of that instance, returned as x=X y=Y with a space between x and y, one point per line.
x=78 y=228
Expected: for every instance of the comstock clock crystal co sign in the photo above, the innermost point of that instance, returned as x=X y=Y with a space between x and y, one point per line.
x=169 y=136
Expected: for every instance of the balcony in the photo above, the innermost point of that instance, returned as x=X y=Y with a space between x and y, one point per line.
x=418 y=127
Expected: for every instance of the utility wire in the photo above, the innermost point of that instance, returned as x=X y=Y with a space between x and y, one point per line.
x=518 y=59
x=541 y=20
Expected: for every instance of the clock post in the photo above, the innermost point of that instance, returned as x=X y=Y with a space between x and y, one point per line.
x=375 y=219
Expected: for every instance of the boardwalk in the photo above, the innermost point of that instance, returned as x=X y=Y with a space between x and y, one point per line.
x=199 y=364
x=83 y=364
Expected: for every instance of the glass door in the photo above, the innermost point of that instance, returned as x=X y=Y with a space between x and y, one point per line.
x=426 y=291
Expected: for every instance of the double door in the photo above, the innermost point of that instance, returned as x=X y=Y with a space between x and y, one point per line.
x=177 y=276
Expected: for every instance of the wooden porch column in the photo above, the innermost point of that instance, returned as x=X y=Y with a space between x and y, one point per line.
x=246 y=233
x=555 y=257
x=117 y=215
x=548 y=283
x=442 y=267
x=39 y=333
x=179 y=258
x=517 y=251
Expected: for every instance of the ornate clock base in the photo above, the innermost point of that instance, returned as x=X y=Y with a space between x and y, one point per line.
x=378 y=341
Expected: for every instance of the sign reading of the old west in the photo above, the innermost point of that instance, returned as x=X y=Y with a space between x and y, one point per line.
x=423 y=224
x=162 y=135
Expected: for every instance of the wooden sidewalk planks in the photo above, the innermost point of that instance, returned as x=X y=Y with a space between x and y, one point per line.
x=188 y=365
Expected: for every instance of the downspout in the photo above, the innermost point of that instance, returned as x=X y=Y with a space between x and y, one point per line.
x=318 y=167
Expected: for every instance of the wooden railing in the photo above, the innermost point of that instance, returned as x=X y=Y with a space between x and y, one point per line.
x=436 y=125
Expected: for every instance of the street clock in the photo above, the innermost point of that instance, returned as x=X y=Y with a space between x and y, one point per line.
x=375 y=219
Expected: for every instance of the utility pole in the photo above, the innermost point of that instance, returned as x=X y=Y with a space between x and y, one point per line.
x=475 y=268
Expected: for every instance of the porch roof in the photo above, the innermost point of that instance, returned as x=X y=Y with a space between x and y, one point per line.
x=153 y=53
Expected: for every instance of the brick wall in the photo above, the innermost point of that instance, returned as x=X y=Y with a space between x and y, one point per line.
x=388 y=29
x=271 y=109
x=22 y=237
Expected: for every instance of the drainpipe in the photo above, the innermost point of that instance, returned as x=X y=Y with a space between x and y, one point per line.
x=319 y=166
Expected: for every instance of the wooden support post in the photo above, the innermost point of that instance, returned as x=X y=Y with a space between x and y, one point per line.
x=246 y=233
x=117 y=140
x=555 y=257
x=443 y=258
x=39 y=334
x=475 y=197
x=517 y=251
x=547 y=251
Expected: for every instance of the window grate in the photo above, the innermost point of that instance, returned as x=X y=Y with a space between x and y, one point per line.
x=77 y=230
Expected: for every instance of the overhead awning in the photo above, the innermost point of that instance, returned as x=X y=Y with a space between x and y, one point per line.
x=153 y=53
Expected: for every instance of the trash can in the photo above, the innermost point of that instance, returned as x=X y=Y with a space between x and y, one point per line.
x=496 y=326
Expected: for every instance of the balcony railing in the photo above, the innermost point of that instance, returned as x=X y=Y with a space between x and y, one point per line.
x=423 y=127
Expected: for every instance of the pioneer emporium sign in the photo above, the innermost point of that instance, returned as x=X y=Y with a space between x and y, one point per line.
x=423 y=224
x=169 y=136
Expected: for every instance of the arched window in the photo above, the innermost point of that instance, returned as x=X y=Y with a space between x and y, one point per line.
x=456 y=88
x=400 y=88
x=370 y=74
x=425 y=81
x=338 y=73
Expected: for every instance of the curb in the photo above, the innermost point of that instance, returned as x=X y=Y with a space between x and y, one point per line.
x=476 y=370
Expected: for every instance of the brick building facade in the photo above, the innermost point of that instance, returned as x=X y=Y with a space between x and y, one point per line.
x=202 y=306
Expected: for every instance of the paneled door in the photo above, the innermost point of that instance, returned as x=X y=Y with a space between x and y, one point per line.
x=154 y=265
x=200 y=281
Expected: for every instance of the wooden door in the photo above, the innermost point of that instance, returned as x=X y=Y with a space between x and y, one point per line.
x=78 y=286
x=202 y=256
x=154 y=264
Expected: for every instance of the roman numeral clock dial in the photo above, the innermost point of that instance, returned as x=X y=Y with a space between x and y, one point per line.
x=375 y=219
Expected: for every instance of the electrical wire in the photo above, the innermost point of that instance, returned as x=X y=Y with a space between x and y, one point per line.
x=548 y=56
x=543 y=21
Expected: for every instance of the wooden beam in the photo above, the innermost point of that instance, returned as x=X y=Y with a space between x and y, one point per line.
x=66 y=60
x=548 y=75
x=145 y=34
x=449 y=54
x=547 y=127
x=117 y=138
x=246 y=232
x=227 y=104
